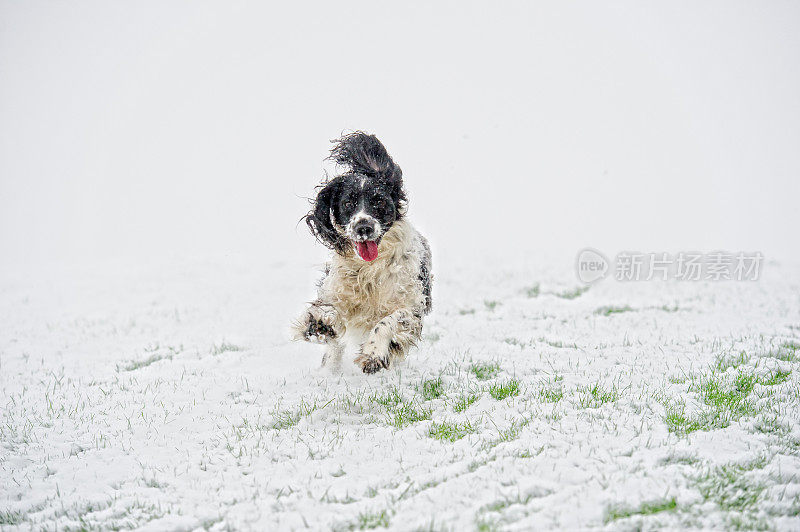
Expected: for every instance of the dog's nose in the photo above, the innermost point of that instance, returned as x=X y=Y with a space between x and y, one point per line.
x=364 y=230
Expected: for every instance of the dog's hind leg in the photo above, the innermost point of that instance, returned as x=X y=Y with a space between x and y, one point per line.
x=391 y=338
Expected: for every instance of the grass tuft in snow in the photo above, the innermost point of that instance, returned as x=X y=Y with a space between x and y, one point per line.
x=574 y=293
x=491 y=305
x=724 y=399
x=370 y=520
x=512 y=432
x=432 y=389
x=11 y=518
x=138 y=364
x=551 y=394
x=777 y=377
x=464 y=401
x=153 y=483
x=485 y=370
x=487 y=524
x=514 y=341
x=596 y=395
x=450 y=431
x=533 y=291
x=158 y=354
x=401 y=412
x=407 y=413
x=678 y=421
x=552 y=391
x=609 y=310
x=732 y=361
x=502 y=390
x=771 y=425
x=501 y=504
x=680 y=459
x=729 y=487
x=527 y=453
x=786 y=352
x=791 y=346
x=225 y=347
x=558 y=344
x=729 y=397
x=647 y=508
x=391 y=398
x=284 y=419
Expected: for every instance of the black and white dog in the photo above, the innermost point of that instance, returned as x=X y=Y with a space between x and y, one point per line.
x=377 y=285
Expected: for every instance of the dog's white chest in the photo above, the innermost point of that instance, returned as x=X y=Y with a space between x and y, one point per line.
x=363 y=293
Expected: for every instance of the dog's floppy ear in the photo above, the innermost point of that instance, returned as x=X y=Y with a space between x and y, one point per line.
x=320 y=221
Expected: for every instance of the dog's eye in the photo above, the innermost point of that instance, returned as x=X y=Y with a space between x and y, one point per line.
x=348 y=204
x=381 y=203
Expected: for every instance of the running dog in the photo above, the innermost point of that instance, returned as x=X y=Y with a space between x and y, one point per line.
x=376 y=287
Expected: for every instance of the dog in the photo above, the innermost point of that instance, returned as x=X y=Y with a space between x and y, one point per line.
x=376 y=288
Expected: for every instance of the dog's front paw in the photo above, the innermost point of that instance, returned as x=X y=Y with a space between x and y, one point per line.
x=371 y=361
x=314 y=328
x=371 y=364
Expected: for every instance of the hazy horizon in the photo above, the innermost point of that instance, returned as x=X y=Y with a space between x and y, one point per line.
x=142 y=130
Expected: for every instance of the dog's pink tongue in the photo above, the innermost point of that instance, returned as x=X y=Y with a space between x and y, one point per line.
x=367 y=250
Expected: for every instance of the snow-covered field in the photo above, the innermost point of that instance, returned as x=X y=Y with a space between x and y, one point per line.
x=167 y=397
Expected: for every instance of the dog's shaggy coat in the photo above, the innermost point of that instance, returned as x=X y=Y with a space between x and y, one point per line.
x=377 y=285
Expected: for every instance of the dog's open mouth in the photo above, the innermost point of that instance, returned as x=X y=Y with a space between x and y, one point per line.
x=367 y=250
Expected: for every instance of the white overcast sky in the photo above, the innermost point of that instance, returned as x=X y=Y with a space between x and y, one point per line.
x=141 y=129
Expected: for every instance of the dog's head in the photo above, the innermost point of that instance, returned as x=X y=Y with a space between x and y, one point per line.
x=356 y=208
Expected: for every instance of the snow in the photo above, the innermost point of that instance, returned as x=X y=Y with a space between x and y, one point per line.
x=155 y=161
x=149 y=396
